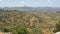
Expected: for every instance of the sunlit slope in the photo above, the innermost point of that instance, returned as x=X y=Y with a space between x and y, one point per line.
x=42 y=20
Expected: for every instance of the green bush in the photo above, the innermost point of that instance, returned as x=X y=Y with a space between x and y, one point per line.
x=37 y=31
x=57 y=27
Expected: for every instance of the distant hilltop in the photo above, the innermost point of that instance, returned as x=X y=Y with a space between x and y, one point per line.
x=26 y=8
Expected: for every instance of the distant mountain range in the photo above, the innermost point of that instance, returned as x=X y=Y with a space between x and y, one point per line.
x=25 y=8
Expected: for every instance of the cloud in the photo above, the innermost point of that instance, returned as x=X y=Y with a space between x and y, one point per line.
x=33 y=3
x=28 y=3
x=1 y=0
x=12 y=4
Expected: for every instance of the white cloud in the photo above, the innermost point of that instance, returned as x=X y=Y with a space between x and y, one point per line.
x=29 y=3
x=12 y=4
x=1 y=0
x=22 y=3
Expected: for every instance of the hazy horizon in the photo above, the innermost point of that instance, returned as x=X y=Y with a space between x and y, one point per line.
x=30 y=3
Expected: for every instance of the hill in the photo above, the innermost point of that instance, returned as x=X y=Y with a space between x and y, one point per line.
x=26 y=8
x=23 y=22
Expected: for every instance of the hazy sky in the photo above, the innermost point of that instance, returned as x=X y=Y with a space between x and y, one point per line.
x=32 y=3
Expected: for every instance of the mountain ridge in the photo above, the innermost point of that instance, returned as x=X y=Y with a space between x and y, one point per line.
x=26 y=8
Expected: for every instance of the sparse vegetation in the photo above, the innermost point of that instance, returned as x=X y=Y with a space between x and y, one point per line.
x=20 y=22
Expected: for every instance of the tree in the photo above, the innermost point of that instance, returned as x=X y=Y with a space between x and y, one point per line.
x=19 y=30
x=37 y=31
x=57 y=27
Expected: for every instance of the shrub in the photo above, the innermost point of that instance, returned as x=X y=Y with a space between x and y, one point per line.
x=57 y=27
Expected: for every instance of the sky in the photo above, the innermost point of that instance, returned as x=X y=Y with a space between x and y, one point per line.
x=31 y=3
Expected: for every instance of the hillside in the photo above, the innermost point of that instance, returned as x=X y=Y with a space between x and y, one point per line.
x=22 y=22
